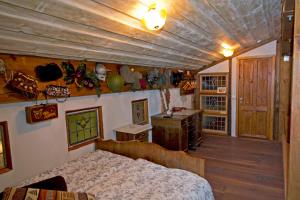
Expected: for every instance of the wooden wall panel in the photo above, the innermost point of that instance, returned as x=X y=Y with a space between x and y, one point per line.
x=285 y=101
x=294 y=162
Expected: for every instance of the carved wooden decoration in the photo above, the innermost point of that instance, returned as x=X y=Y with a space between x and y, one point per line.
x=154 y=153
x=43 y=112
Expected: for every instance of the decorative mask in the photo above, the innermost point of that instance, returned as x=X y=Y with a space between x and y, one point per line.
x=100 y=71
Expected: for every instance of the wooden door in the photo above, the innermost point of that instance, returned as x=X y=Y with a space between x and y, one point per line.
x=255 y=97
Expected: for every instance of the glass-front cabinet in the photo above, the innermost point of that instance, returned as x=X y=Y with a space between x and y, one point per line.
x=213 y=93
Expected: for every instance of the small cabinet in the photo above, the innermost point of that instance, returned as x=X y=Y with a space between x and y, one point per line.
x=133 y=132
x=182 y=131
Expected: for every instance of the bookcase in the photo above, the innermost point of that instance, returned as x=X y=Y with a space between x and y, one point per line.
x=213 y=97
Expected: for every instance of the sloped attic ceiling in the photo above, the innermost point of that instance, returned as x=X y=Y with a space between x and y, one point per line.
x=111 y=31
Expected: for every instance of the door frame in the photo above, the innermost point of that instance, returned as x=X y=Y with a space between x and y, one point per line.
x=271 y=128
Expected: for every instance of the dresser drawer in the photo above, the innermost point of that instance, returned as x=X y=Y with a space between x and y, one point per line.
x=142 y=136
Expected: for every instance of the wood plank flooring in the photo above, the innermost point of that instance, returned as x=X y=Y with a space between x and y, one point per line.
x=243 y=168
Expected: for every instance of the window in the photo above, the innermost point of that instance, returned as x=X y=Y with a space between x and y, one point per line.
x=84 y=126
x=140 y=111
x=5 y=156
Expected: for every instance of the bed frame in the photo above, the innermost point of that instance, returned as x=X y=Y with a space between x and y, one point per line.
x=154 y=153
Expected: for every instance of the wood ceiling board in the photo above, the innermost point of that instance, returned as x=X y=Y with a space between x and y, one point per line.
x=192 y=35
x=249 y=18
x=24 y=42
x=175 y=25
x=66 y=57
x=97 y=15
x=184 y=10
x=33 y=23
x=216 y=15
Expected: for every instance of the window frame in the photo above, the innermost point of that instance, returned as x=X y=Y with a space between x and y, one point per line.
x=88 y=141
x=7 y=150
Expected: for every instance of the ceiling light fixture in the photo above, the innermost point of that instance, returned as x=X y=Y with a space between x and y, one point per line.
x=228 y=50
x=155 y=18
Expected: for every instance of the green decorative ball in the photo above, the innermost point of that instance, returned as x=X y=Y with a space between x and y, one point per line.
x=115 y=82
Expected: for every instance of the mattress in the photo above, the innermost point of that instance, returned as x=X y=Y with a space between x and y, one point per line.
x=111 y=176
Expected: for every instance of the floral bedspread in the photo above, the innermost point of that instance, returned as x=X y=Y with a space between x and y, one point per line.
x=111 y=176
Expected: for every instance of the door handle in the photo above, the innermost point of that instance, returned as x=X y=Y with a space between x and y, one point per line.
x=241 y=98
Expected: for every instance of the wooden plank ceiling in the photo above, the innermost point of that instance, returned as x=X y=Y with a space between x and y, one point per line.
x=111 y=31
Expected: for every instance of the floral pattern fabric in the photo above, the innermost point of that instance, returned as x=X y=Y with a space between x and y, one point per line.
x=111 y=176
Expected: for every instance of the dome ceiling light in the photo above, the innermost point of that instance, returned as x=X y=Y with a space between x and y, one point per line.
x=228 y=50
x=155 y=17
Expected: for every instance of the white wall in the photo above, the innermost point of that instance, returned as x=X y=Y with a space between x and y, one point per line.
x=218 y=68
x=265 y=50
x=41 y=146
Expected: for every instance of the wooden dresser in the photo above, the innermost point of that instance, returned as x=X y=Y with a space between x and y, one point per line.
x=182 y=131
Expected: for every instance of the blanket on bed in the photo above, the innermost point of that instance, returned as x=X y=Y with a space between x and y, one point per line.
x=111 y=176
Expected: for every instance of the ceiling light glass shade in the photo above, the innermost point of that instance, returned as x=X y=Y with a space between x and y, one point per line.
x=228 y=52
x=154 y=18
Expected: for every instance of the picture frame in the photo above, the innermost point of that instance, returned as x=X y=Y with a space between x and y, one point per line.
x=84 y=126
x=221 y=90
x=5 y=152
x=140 y=113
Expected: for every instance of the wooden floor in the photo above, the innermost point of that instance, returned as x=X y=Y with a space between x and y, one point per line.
x=242 y=169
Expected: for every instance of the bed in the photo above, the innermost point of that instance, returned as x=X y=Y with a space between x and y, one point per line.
x=111 y=176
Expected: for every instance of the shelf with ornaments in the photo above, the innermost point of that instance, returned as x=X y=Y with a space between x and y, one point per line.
x=80 y=78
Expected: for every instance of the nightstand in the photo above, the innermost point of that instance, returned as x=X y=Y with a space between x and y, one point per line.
x=133 y=132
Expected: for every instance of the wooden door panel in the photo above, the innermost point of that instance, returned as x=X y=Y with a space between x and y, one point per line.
x=246 y=123
x=255 y=83
x=262 y=82
x=261 y=124
x=246 y=80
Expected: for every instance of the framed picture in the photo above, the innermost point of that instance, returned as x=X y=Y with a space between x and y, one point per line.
x=140 y=111
x=5 y=154
x=221 y=90
x=84 y=126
